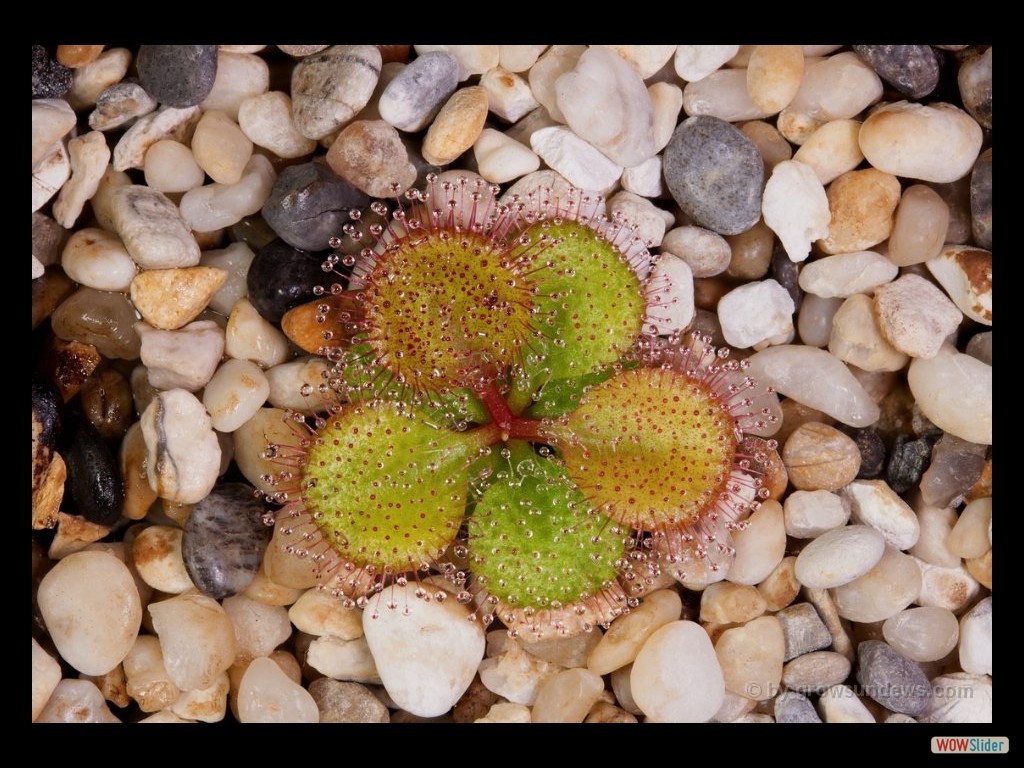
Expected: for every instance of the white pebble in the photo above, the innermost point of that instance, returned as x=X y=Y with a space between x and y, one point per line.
x=426 y=652
x=647 y=60
x=90 y=81
x=52 y=120
x=158 y=561
x=644 y=179
x=258 y=628
x=885 y=590
x=756 y=312
x=954 y=391
x=728 y=603
x=183 y=454
x=500 y=158
x=166 y=123
x=267 y=695
x=951 y=588
x=670 y=301
x=76 y=701
x=92 y=610
x=760 y=546
x=971 y=536
x=676 y=677
x=152 y=228
x=795 y=208
x=874 y=503
x=976 y=639
x=240 y=76
x=959 y=697
x=836 y=88
x=146 y=677
x=208 y=704
x=508 y=95
x=518 y=58
x=250 y=337
x=922 y=634
x=237 y=390
x=582 y=164
x=267 y=120
x=936 y=524
x=647 y=221
x=965 y=272
x=566 y=697
x=511 y=672
x=288 y=380
x=318 y=613
x=506 y=712
x=621 y=643
x=816 y=379
x=45 y=676
x=269 y=425
x=667 y=100
x=722 y=94
x=832 y=150
x=556 y=61
x=839 y=704
x=235 y=260
x=98 y=259
x=49 y=176
x=89 y=155
x=846 y=274
x=915 y=316
x=185 y=358
x=215 y=206
x=197 y=639
x=695 y=62
x=839 y=556
x=809 y=514
x=170 y=166
x=343 y=659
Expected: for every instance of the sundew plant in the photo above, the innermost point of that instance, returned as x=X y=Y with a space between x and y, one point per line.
x=505 y=415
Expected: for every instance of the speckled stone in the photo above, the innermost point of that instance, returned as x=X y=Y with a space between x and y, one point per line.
x=224 y=540
x=911 y=69
x=419 y=91
x=891 y=679
x=120 y=104
x=309 y=204
x=975 y=81
x=981 y=199
x=50 y=78
x=177 y=75
x=281 y=277
x=908 y=461
x=346 y=702
x=803 y=630
x=330 y=87
x=370 y=155
x=872 y=453
x=792 y=707
x=715 y=174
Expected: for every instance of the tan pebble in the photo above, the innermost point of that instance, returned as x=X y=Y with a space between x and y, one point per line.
x=751 y=252
x=856 y=338
x=90 y=80
x=820 y=457
x=318 y=612
x=774 y=73
x=889 y=587
x=627 y=634
x=781 y=587
x=269 y=425
x=285 y=567
x=567 y=697
x=751 y=658
x=822 y=600
x=138 y=494
x=220 y=148
x=814 y=671
x=760 y=546
x=966 y=275
x=725 y=602
x=567 y=652
x=919 y=228
x=981 y=569
x=370 y=155
x=74 y=533
x=770 y=143
x=457 y=126
x=46 y=498
x=208 y=705
x=113 y=685
x=832 y=150
x=263 y=590
x=156 y=553
x=603 y=712
x=862 y=205
x=75 y=56
x=505 y=712
x=89 y=155
x=798 y=127
x=196 y=637
x=952 y=588
x=300 y=324
x=170 y=298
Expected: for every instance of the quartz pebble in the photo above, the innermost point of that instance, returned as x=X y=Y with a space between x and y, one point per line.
x=119 y=105
x=955 y=392
x=370 y=155
x=89 y=81
x=793 y=707
x=412 y=99
x=519 y=58
x=501 y=158
x=760 y=546
x=45 y=677
x=266 y=119
x=250 y=337
x=706 y=252
x=820 y=457
x=773 y=75
x=885 y=590
x=170 y=166
x=808 y=514
x=220 y=148
x=676 y=677
x=970 y=536
x=318 y=613
x=814 y=321
x=695 y=62
x=208 y=705
x=796 y=208
x=235 y=261
x=832 y=150
x=544 y=74
x=802 y=630
x=956 y=464
x=299 y=51
x=839 y=704
x=515 y=674
x=168 y=123
x=861 y=205
x=52 y=119
x=579 y=162
x=920 y=226
x=157 y=557
x=751 y=658
x=183 y=453
x=170 y=298
x=330 y=87
x=846 y=274
x=912 y=69
x=346 y=702
x=49 y=176
x=92 y=610
x=568 y=652
x=427 y=658
x=152 y=229
x=567 y=697
x=604 y=102
x=894 y=681
x=97 y=259
x=76 y=701
x=839 y=556
x=472 y=59
x=196 y=637
x=755 y=313
x=237 y=390
x=722 y=94
x=915 y=316
x=728 y=603
x=506 y=712
x=976 y=639
x=959 y=697
x=102 y=319
x=343 y=659
x=874 y=503
x=835 y=88
x=922 y=634
x=309 y=204
x=856 y=338
x=966 y=275
x=644 y=179
x=224 y=540
x=146 y=677
x=240 y=76
x=457 y=125
x=936 y=525
x=75 y=56
x=508 y=95
x=628 y=634
x=936 y=142
x=952 y=588
x=267 y=695
x=265 y=590
x=297 y=384
x=770 y=143
x=268 y=425
x=89 y=155
x=258 y=628
x=815 y=671
x=214 y=206
x=715 y=174
x=185 y=358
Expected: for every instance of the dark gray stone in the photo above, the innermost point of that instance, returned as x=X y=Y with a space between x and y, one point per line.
x=281 y=277
x=94 y=478
x=787 y=274
x=792 y=707
x=956 y=465
x=872 y=453
x=50 y=78
x=980 y=347
x=803 y=630
x=975 y=81
x=981 y=200
x=911 y=69
x=309 y=204
x=343 y=702
x=907 y=462
x=177 y=75
x=891 y=679
x=715 y=174
x=419 y=91
x=224 y=540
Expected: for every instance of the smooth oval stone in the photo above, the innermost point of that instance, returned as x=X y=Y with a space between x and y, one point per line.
x=97 y=259
x=237 y=390
x=220 y=148
x=105 y=320
x=832 y=149
x=224 y=540
x=417 y=93
x=891 y=679
x=196 y=637
x=975 y=81
x=152 y=228
x=91 y=607
x=981 y=199
x=330 y=87
x=183 y=452
x=955 y=392
x=676 y=677
x=240 y=75
x=76 y=701
x=267 y=695
x=839 y=556
x=309 y=204
x=922 y=634
x=912 y=69
x=267 y=120
x=370 y=155
x=281 y=277
x=95 y=481
x=919 y=228
x=177 y=75
x=715 y=174
x=890 y=586
x=846 y=274
x=215 y=206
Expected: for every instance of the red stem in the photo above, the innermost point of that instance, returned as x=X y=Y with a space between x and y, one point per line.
x=512 y=427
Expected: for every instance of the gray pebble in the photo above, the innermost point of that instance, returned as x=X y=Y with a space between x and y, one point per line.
x=224 y=540
x=872 y=453
x=975 y=81
x=344 y=702
x=330 y=87
x=980 y=347
x=309 y=204
x=787 y=274
x=50 y=78
x=416 y=95
x=907 y=462
x=981 y=200
x=891 y=679
x=956 y=465
x=803 y=630
x=792 y=707
x=911 y=69
x=715 y=174
x=177 y=75
x=119 y=104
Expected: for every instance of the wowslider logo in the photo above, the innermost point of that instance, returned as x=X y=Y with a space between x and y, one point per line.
x=972 y=744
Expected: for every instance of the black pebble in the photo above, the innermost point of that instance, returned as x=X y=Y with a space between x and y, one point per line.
x=907 y=462
x=93 y=474
x=309 y=204
x=787 y=274
x=282 y=277
x=50 y=78
x=177 y=75
x=912 y=70
x=872 y=453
